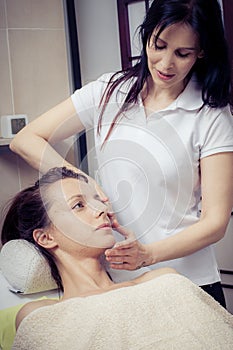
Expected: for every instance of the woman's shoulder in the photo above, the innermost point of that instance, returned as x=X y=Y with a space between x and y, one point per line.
x=125 y=82
x=32 y=306
x=106 y=77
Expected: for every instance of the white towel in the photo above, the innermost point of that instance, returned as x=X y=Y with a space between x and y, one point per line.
x=167 y=313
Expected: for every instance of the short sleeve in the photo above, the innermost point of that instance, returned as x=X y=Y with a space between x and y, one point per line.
x=216 y=132
x=87 y=99
x=7 y=326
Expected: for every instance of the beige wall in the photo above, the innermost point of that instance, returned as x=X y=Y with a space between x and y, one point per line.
x=34 y=74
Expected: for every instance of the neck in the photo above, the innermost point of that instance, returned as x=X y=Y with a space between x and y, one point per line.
x=82 y=277
x=156 y=98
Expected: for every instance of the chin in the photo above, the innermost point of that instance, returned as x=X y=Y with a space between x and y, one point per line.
x=110 y=243
x=102 y=244
x=107 y=240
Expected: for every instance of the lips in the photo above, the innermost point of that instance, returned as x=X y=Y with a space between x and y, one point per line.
x=165 y=76
x=104 y=226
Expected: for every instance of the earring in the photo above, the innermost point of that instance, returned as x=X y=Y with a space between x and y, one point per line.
x=201 y=54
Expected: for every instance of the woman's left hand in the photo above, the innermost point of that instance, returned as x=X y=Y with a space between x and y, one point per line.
x=129 y=254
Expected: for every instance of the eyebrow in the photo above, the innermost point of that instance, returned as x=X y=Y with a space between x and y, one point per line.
x=75 y=196
x=80 y=196
x=187 y=48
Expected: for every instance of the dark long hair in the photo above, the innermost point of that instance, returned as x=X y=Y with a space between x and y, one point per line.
x=213 y=71
x=28 y=212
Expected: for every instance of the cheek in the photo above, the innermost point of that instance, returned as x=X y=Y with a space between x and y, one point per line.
x=152 y=60
x=70 y=225
x=150 y=52
x=152 y=56
x=187 y=66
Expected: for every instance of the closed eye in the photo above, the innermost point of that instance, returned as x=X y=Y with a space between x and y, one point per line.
x=159 y=47
x=157 y=43
x=178 y=52
x=182 y=55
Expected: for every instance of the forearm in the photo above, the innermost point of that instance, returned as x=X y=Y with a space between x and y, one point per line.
x=38 y=153
x=217 y=202
x=186 y=242
x=130 y=254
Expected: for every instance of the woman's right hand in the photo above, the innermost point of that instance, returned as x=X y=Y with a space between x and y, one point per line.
x=129 y=254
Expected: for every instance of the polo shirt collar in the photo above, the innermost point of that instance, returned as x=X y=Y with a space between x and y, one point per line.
x=189 y=99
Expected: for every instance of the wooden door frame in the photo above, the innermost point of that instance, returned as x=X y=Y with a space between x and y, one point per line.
x=124 y=31
x=228 y=15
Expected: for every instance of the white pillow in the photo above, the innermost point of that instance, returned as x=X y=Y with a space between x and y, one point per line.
x=25 y=268
x=9 y=299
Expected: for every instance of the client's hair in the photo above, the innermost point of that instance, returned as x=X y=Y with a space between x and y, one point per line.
x=28 y=211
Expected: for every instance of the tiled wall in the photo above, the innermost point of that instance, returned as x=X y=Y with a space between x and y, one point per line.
x=34 y=74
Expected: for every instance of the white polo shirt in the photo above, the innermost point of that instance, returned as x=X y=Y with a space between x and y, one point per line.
x=149 y=166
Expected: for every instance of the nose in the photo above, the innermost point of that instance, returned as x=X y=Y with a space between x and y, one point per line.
x=99 y=208
x=167 y=60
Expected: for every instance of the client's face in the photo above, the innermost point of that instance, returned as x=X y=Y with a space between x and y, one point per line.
x=78 y=213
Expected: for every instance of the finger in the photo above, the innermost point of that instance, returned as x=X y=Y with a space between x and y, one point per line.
x=129 y=243
x=123 y=266
x=125 y=251
x=119 y=228
x=111 y=253
x=129 y=235
x=118 y=260
x=113 y=219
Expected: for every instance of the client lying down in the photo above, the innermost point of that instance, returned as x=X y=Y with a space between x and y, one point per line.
x=63 y=215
